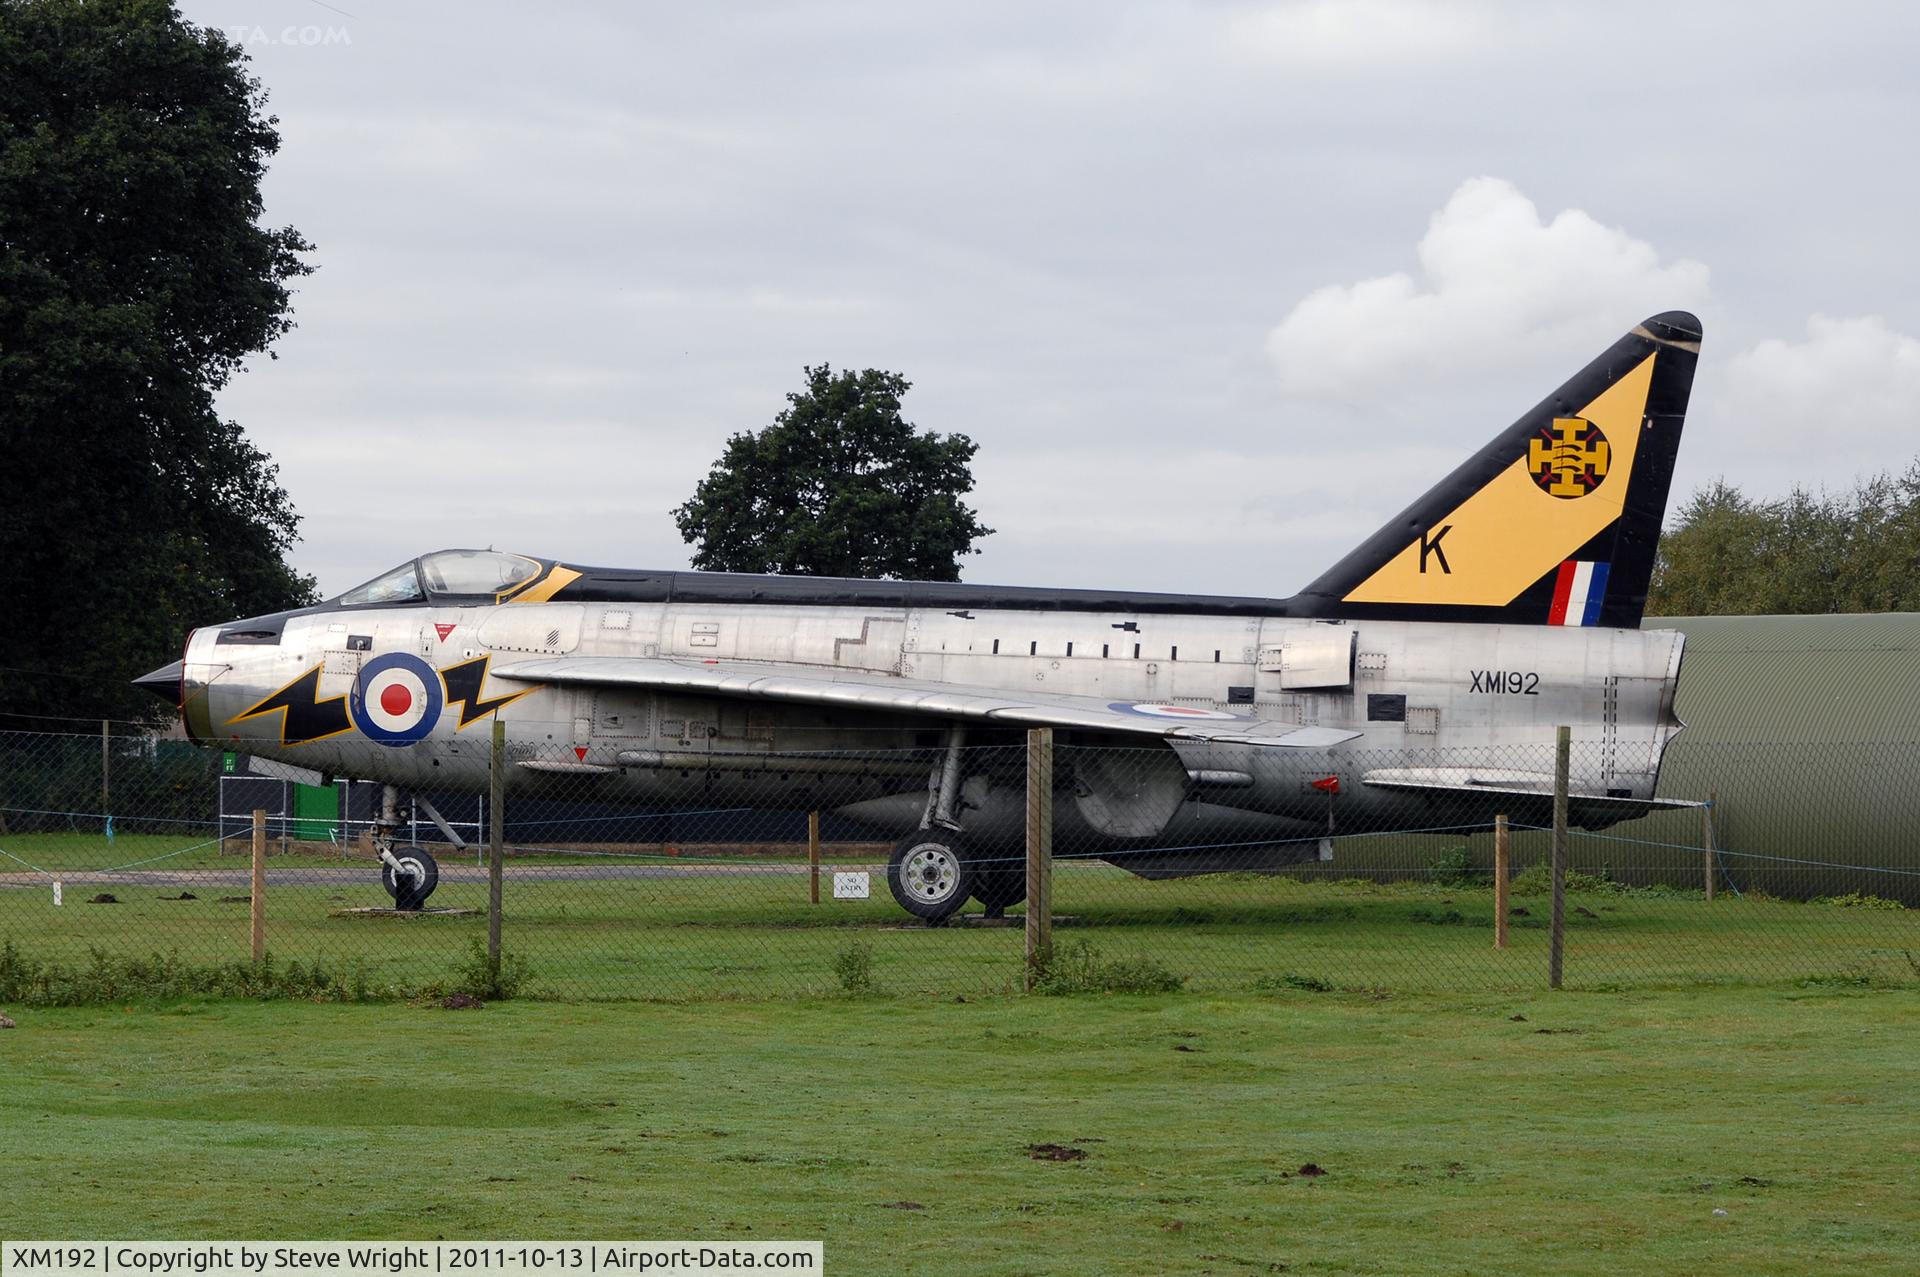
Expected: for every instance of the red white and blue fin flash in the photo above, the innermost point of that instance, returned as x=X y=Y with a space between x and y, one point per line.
x=1577 y=593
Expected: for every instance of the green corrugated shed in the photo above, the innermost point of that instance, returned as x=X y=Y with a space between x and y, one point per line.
x=1806 y=732
x=1798 y=678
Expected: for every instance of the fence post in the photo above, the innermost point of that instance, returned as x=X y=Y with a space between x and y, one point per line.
x=257 y=903
x=1706 y=842
x=813 y=854
x=106 y=765
x=1039 y=852
x=1557 y=937
x=496 y=841
x=1500 y=849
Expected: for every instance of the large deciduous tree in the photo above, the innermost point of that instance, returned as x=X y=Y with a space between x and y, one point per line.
x=839 y=485
x=135 y=275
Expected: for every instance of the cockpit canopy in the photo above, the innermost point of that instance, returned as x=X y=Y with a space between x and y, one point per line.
x=446 y=574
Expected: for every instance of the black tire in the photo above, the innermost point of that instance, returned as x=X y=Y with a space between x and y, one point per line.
x=930 y=875
x=410 y=891
x=1000 y=887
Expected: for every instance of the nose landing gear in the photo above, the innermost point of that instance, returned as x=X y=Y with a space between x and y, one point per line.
x=408 y=873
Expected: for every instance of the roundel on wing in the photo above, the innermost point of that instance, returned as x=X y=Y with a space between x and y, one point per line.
x=1190 y=713
x=397 y=699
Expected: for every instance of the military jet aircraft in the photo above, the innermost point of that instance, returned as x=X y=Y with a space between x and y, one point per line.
x=1430 y=664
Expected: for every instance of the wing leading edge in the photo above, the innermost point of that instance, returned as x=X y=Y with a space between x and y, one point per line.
x=747 y=680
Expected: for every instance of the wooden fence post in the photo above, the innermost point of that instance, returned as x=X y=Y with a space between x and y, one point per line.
x=496 y=841
x=1501 y=838
x=257 y=903
x=1706 y=842
x=1557 y=936
x=1039 y=852
x=813 y=855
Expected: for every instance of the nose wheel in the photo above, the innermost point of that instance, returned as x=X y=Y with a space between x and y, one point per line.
x=409 y=875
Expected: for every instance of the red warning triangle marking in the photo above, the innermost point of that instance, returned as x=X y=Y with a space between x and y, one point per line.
x=580 y=752
x=444 y=628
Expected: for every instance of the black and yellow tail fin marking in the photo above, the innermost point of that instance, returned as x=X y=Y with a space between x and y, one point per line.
x=1580 y=483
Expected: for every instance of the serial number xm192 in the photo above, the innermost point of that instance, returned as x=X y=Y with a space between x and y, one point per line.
x=1505 y=682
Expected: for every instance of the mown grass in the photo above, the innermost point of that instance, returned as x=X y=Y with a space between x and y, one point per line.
x=1569 y=1134
x=88 y=851
x=734 y=934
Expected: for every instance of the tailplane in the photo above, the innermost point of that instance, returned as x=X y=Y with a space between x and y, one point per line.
x=1555 y=521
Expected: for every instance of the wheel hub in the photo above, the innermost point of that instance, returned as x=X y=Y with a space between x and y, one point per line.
x=931 y=873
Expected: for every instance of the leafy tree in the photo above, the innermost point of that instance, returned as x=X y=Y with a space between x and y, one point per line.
x=838 y=485
x=134 y=277
x=1731 y=555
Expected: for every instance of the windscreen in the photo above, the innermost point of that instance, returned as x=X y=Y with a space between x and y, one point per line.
x=402 y=585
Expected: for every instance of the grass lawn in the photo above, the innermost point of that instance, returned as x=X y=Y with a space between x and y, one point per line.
x=732 y=935
x=1598 y=1134
x=198 y=848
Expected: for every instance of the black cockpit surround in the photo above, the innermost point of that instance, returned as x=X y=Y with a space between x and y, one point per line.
x=262 y=630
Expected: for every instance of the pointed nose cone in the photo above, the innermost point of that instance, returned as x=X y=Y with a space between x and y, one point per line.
x=163 y=682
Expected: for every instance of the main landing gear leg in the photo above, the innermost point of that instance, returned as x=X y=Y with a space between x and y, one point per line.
x=929 y=872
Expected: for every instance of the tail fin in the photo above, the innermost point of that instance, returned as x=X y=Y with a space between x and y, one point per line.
x=1552 y=523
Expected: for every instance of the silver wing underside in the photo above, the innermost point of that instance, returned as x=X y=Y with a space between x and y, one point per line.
x=873 y=691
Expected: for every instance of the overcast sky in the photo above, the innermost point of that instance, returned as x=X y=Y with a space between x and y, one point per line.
x=1217 y=288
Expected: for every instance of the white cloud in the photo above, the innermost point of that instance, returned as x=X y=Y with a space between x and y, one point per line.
x=1843 y=402
x=1497 y=286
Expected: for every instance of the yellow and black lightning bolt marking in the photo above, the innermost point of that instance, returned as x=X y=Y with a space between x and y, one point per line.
x=464 y=684
x=305 y=716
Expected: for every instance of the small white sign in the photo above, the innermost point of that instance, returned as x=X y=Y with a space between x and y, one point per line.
x=56 y=894
x=850 y=886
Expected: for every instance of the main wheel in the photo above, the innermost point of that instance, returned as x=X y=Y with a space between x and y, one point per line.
x=999 y=887
x=419 y=875
x=929 y=875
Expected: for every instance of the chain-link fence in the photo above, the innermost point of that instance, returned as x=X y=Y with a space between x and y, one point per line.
x=757 y=874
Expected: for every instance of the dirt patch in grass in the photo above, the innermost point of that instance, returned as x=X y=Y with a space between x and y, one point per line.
x=1055 y=1153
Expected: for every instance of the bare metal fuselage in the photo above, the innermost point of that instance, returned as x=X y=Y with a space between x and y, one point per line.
x=1446 y=704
